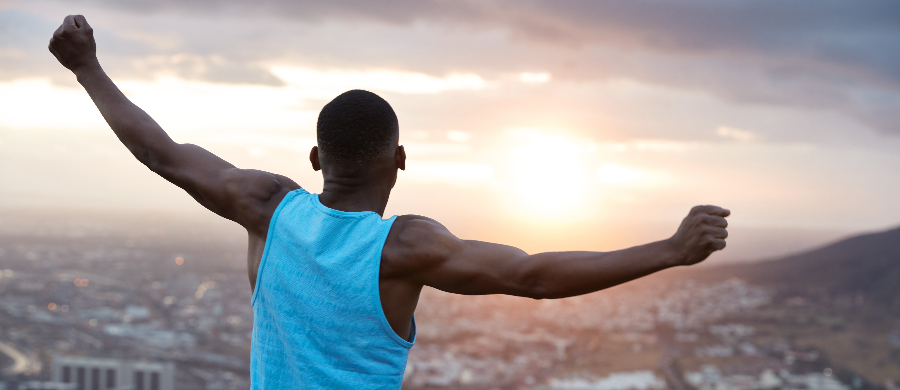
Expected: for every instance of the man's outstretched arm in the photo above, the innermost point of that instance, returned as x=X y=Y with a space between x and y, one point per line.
x=243 y=196
x=428 y=254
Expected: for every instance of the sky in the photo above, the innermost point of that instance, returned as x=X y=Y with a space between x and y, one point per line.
x=550 y=125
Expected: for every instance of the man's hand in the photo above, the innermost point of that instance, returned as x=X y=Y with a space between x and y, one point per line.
x=73 y=44
x=701 y=233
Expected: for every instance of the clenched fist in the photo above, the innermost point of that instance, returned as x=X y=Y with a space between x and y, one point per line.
x=73 y=44
x=701 y=233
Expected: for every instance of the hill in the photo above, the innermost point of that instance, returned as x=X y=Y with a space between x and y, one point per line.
x=867 y=265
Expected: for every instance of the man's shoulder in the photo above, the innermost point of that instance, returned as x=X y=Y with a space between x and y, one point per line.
x=257 y=183
x=416 y=232
x=414 y=242
x=412 y=223
x=254 y=196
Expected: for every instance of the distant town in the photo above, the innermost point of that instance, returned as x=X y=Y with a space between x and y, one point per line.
x=124 y=303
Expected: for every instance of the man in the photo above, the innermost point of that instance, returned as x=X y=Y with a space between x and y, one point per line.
x=334 y=285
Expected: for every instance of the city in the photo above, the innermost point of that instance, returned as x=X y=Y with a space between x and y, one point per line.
x=120 y=298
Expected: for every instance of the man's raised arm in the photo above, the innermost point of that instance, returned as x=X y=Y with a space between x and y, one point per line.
x=244 y=196
x=426 y=253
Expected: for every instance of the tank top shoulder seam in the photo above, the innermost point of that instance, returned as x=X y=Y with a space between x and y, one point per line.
x=262 y=261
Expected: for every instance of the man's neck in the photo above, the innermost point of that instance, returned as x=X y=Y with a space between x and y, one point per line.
x=355 y=195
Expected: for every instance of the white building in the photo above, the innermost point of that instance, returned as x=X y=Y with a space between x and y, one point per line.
x=107 y=374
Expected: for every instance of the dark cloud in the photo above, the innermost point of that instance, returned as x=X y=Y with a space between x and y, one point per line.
x=849 y=36
x=831 y=55
x=813 y=54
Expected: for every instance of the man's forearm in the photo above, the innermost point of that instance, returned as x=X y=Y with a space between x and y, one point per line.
x=566 y=274
x=137 y=130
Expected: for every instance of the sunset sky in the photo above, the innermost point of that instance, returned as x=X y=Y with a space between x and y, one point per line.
x=550 y=125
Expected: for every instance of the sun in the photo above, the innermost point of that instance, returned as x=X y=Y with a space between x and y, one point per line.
x=549 y=173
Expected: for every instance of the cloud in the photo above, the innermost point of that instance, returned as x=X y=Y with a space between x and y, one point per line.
x=336 y=82
x=534 y=78
x=830 y=55
x=736 y=134
x=22 y=37
x=838 y=35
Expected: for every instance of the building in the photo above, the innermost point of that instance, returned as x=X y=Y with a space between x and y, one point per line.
x=89 y=373
x=38 y=385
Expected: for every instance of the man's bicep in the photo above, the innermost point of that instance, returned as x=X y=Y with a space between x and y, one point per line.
x=479 y=268
x=188 y=166
x=202 y=174
x=241 y=195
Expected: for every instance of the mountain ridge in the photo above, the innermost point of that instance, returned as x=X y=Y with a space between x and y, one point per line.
x=866 y=265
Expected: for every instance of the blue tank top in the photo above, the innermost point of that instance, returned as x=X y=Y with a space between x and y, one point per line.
x=318 y=321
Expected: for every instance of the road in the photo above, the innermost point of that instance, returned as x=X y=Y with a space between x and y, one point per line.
x=20 y=364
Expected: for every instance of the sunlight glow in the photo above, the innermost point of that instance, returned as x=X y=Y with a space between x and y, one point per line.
x=647 y=145
x=184 y=105
x=661 y=146
x=458 y=136
x=549 y=172
x=534 y=78
x=615 y=174
x=256 y=140
x=178 y=105
x=431 y=171
x=27 y=103
x=426 y=149
x=194 y=105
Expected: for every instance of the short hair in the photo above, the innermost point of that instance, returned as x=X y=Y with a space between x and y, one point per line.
x=356 y=126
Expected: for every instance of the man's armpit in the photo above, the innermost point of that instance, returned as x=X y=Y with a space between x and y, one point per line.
x=252 y=197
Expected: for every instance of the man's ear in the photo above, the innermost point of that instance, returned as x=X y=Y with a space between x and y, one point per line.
x=314 y=158
x=400 y=158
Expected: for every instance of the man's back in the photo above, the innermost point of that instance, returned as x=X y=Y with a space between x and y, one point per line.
x=318 y=321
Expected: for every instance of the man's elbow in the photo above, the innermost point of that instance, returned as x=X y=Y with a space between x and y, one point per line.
x=156 y=159
x=536 y=295
x=535 y=284
x=544 y=292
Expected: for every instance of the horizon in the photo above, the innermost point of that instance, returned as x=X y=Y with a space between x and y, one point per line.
x=758 y=245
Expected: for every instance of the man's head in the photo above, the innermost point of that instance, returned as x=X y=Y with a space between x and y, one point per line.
x=356 y=133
